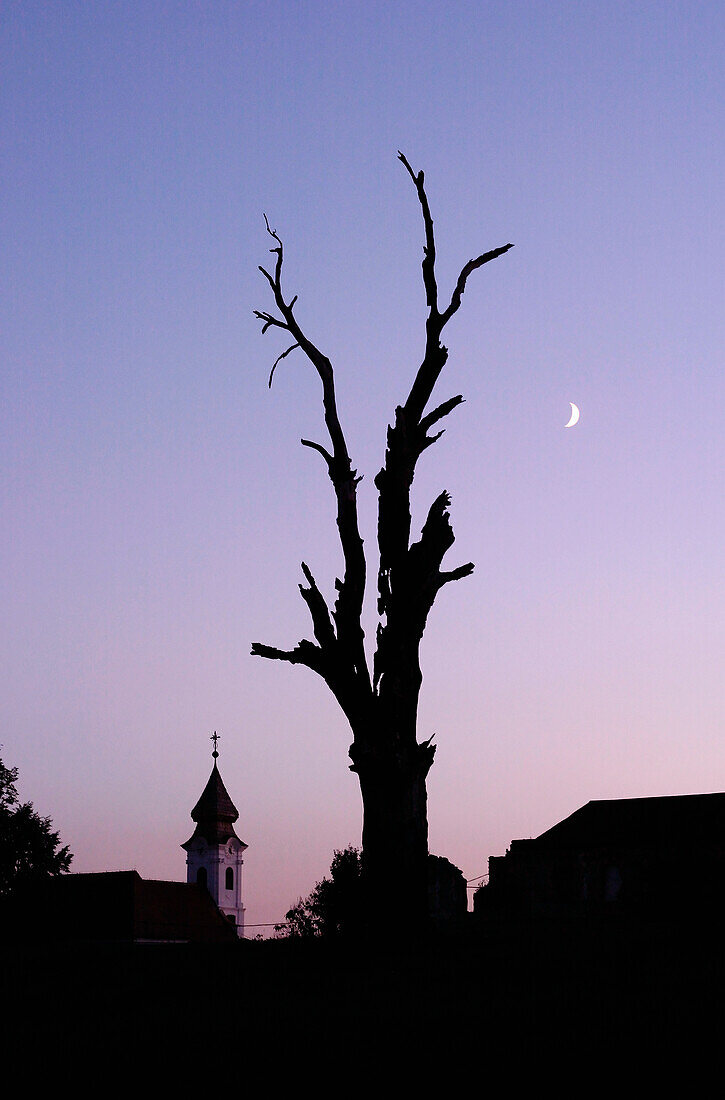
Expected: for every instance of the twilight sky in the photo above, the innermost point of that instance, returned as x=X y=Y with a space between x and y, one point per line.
x=156 y=502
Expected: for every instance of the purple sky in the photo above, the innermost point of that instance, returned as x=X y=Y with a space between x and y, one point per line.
x=156 y=502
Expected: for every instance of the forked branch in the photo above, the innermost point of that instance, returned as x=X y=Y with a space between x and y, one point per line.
x=435 y=354
x=345 y=637
x=409 y=577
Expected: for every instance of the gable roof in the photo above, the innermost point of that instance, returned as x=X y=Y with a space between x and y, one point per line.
x=670 y=819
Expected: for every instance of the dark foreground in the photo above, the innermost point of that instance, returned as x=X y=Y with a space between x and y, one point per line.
x=603 y=999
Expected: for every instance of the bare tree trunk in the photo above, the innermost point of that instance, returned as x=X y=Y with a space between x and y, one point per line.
x=392 y=766
x=395 y=834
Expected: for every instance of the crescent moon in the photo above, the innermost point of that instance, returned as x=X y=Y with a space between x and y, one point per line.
x=574 y=415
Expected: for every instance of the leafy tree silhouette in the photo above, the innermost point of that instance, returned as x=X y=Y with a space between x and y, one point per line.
x=29 y=849
x=332 y=908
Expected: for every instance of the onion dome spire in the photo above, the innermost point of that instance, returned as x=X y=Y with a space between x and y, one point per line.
x=214 y=813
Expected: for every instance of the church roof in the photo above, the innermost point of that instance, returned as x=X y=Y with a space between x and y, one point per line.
x=215 y=801
x=214 y=813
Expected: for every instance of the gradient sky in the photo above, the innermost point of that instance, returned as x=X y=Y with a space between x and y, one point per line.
x=156 y=502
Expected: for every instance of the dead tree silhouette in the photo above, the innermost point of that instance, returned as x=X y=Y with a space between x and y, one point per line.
x=382 y=707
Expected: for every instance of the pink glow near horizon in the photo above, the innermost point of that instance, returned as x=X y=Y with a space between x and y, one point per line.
x=157 y=504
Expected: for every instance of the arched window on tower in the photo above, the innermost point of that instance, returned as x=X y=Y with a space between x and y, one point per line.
x=201 y=876
x=229 y=878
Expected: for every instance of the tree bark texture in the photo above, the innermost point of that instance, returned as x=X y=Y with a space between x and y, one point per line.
x=382 y=707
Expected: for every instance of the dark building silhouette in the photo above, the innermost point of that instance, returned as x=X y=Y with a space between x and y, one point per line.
x=447 y=897
x=120 y=906
x=631 y=856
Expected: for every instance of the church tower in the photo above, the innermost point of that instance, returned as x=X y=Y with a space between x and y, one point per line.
x=214 y=851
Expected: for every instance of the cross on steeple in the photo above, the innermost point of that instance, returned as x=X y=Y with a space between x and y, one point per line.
x=215 y=737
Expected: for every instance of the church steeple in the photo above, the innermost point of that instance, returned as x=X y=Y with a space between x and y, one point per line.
x=214 y=851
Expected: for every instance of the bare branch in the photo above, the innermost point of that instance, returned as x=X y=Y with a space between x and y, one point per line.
x=437 y=534
x=429 y=250
x=269 y=320
x=272 y=233
x=430 y=440
x=304 y=653
x=408 y=436
x=321 y=621
x=318 y=447
x=267 y=276
x=439 y=412
x=456 y=574
x=471 y=266
x=348 y=608
x=435 y=353
x=277 y=360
